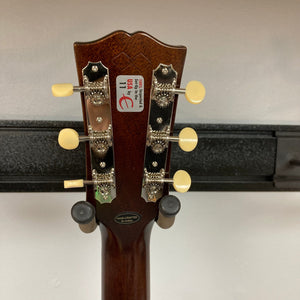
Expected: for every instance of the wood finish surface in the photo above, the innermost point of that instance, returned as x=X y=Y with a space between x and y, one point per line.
x=125 y=248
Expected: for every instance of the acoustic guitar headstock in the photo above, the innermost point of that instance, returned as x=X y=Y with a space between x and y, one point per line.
x=129 y=85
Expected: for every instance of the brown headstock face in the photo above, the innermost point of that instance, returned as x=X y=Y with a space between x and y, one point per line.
x=130 y=61
x=129 y=85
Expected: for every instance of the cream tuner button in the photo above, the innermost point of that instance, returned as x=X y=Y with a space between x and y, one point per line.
x=62 y=89
x=77 y=183
x=195 y=92
x=188 y=139
x=181 y=181
x=68 y=139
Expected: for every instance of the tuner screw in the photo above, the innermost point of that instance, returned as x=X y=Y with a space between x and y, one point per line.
x=95 y=69
x=154 y=164
x=165 y=71
x=159 y=120
x=102 y=164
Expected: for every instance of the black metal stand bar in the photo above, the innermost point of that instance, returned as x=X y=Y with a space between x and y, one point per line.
x=228 y=157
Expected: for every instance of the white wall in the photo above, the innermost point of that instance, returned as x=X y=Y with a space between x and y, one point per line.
x=246 y=54
x=226 y=245
x=222 y=246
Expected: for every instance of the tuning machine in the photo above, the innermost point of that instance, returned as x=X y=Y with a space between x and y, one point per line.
x=104 y=185
x=100 y=141
x=97 y=92
x=154 y=181
x=96 y=89
x=164 y=87
x=158 y=140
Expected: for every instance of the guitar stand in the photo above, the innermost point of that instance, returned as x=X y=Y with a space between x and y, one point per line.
x=228 y=157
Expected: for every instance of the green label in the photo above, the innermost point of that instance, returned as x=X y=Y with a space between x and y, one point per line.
x=99 y=197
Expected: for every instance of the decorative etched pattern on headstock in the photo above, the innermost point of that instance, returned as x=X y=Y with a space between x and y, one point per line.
x=123 y=61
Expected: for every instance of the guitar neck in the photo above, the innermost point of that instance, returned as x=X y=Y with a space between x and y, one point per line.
x=125 y=266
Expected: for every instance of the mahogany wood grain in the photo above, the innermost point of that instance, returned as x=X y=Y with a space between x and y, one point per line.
x=125 y=248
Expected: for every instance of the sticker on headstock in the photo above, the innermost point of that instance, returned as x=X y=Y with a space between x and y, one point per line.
x=127 y=218
x=130 y=93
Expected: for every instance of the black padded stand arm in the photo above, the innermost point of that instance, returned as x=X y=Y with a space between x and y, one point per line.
x=228 y=157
